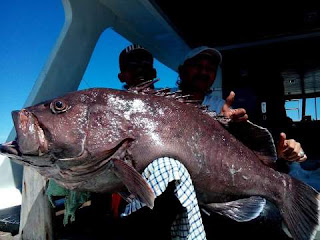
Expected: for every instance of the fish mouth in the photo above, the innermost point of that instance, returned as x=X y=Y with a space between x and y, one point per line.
x=30 y=139
x=10 y=148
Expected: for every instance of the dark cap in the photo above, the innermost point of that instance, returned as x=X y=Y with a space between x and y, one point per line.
x=134 y=54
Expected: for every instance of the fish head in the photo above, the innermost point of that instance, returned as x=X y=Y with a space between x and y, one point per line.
x=56 y=127
x=49 y=131
x=66 y=132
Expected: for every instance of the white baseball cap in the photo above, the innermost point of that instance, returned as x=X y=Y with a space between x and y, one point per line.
x=214 y=53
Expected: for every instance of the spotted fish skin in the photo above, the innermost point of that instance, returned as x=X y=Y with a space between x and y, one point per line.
x=101 y=139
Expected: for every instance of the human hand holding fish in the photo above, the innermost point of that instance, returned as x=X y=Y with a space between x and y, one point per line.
x=290 y=150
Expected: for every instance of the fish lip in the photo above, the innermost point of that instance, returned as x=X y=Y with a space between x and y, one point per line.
x=10 y=148
x=28 y=127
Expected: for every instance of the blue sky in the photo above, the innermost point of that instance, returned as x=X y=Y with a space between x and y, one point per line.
x=29 y=30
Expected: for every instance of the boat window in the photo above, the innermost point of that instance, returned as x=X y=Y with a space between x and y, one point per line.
x=313 y=108
x=294 y=109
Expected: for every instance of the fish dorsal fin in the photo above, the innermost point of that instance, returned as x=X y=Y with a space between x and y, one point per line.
x=177 y=95
x=241 y=210
x=256 y=138
x=144 y=87
x=162 y=91
x=167 y=93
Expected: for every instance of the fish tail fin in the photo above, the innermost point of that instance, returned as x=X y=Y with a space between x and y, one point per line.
x=300 y=211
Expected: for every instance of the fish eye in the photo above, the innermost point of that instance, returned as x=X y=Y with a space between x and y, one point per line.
x=58 y=106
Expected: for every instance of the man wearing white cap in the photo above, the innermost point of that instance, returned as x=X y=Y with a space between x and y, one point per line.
x=197 y=74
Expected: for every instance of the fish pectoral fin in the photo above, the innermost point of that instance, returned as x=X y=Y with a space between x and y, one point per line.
x=134 y=182
x=242 y=210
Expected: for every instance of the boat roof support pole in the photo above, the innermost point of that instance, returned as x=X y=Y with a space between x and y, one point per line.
x=85 y=21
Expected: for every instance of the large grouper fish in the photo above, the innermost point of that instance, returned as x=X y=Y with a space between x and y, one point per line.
x=100 y=140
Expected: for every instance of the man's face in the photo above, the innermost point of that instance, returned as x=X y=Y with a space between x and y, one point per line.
x=137 y=72
x=199 y=75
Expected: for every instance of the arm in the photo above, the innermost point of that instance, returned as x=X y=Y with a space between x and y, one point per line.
x=287 y=149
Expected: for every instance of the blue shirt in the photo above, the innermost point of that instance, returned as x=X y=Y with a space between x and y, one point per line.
x=214 y=103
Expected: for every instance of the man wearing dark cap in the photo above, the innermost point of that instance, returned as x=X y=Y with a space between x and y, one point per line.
x=136 y=66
